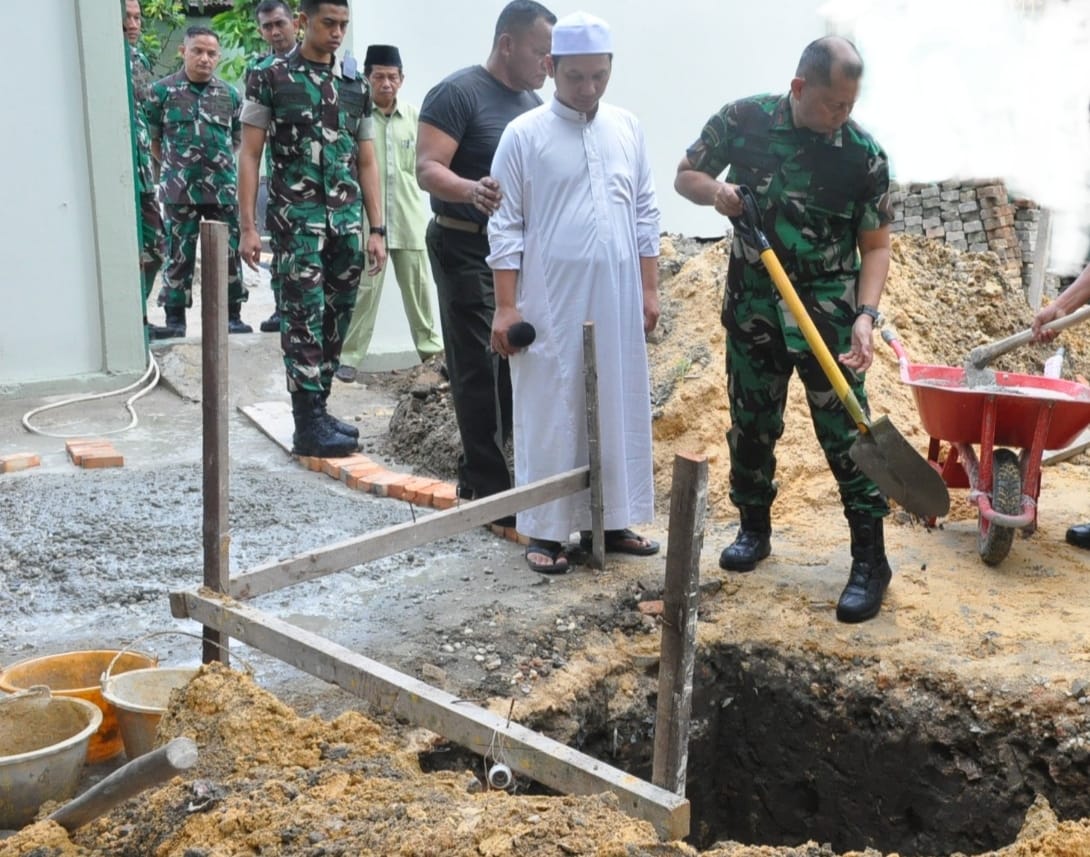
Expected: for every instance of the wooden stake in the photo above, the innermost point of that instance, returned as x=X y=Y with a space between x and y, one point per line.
x=217 y=537
x=594 y=447
x=681 y=597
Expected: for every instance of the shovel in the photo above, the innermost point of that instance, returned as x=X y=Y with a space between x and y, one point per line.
x=976 y=375
x=880 y=451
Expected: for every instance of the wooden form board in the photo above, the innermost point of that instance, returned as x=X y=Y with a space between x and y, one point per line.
x=274 y=420
x=391 y=540
x=523 y=750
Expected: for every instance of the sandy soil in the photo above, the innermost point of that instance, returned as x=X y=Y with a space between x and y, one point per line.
x=1010 y=641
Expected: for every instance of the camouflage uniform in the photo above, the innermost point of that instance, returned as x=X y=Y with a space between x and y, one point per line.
x=815 y=195
x=151 y=220
x=315 y=120
x=275 y=277
x=199 y=131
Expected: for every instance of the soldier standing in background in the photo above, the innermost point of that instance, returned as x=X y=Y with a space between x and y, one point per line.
x=150 y=218
x=195 y=131
x=318 y=124
x=405 y=217
x=277 y=25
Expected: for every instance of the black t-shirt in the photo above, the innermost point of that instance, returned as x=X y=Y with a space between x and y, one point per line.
x=472 y=107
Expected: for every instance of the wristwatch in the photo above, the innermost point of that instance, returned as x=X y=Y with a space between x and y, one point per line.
x=872 y=311
x=378 y=230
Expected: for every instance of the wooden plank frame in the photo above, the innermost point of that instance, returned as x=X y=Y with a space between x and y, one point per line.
x=475 y=728
x=545 y=760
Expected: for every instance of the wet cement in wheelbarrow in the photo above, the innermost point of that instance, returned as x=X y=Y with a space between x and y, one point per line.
x=970 y=686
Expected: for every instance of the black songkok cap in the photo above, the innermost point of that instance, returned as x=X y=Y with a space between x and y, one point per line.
x=382 y=55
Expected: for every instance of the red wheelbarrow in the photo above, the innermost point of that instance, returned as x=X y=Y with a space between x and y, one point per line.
x=1028 y=413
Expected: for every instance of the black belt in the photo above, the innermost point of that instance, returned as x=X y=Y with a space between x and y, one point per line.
x=461 y=225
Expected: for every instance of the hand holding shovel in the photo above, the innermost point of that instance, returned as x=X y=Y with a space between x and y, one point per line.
x=880 y=451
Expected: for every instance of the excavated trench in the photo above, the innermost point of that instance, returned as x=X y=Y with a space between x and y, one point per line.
x=788 y=748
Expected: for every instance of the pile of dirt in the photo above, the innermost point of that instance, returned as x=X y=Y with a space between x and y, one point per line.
x=941 y=301
x=270 y=782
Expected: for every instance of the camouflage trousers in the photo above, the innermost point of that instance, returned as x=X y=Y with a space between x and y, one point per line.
x=151 y=242
x=759 y=367
x=320 y=276
x=276 y=278
x=183 y=229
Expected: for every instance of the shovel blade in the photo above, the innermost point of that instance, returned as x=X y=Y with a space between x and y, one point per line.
x=900 y=471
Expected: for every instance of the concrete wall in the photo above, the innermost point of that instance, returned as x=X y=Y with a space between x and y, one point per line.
x=673 y=72
x=70 y=276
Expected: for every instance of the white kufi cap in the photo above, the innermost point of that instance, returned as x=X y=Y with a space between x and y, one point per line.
x=580 y=33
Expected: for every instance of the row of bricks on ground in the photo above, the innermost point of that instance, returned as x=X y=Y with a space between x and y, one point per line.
x=360 y=473
x=86 y=453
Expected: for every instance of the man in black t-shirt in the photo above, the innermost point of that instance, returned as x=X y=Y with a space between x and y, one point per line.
x=461 y=121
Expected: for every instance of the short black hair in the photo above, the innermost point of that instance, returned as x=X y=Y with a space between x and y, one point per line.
x=518 y=16
x=818 y=58
x=199 y=30
x=310 y=7
x=266 y=6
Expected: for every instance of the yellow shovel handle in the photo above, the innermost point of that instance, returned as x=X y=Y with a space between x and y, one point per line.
x=814 y=340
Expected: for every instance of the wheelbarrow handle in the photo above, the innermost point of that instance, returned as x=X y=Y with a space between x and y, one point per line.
x=982 y=355
x=748 y=227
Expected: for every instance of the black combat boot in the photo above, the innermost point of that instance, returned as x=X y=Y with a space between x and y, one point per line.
x=339 y=425
x=313 y=435
x=870 y=574
x=235 y=324
x=272 y=323
x=1079 y=535
x=752 y=543
x=173 y=328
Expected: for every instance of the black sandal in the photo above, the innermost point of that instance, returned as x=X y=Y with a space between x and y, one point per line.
x=616 y=543
x=554 y=551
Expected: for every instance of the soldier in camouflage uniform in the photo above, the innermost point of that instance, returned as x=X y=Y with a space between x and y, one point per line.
x=193 y=117
x=822 y=185
x=276 y=24
x=150 y=219
x=324 y=174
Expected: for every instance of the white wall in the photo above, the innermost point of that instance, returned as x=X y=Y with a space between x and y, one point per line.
x=68 y=165
x=673 y=72
x=675 y=64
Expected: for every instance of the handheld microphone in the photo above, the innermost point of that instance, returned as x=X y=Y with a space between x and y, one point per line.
x=521 y=333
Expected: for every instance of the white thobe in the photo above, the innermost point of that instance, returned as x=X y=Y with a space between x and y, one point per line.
x=578 y=212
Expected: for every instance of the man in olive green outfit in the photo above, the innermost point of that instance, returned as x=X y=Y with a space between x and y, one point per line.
x=193 y=117
x=822 y=187
x=406 y=217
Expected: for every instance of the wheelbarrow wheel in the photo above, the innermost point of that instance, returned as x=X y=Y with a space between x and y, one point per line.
x=993 y=541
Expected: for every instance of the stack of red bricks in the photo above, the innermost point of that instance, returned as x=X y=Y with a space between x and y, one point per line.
x=93 y=453
x=361 y=473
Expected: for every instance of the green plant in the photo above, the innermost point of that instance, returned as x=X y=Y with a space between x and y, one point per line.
x=162 y=18
x=239 y=37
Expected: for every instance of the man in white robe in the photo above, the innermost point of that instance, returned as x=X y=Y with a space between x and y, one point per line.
x=576 y=239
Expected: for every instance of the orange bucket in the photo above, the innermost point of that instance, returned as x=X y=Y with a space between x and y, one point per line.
x=79 y=674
